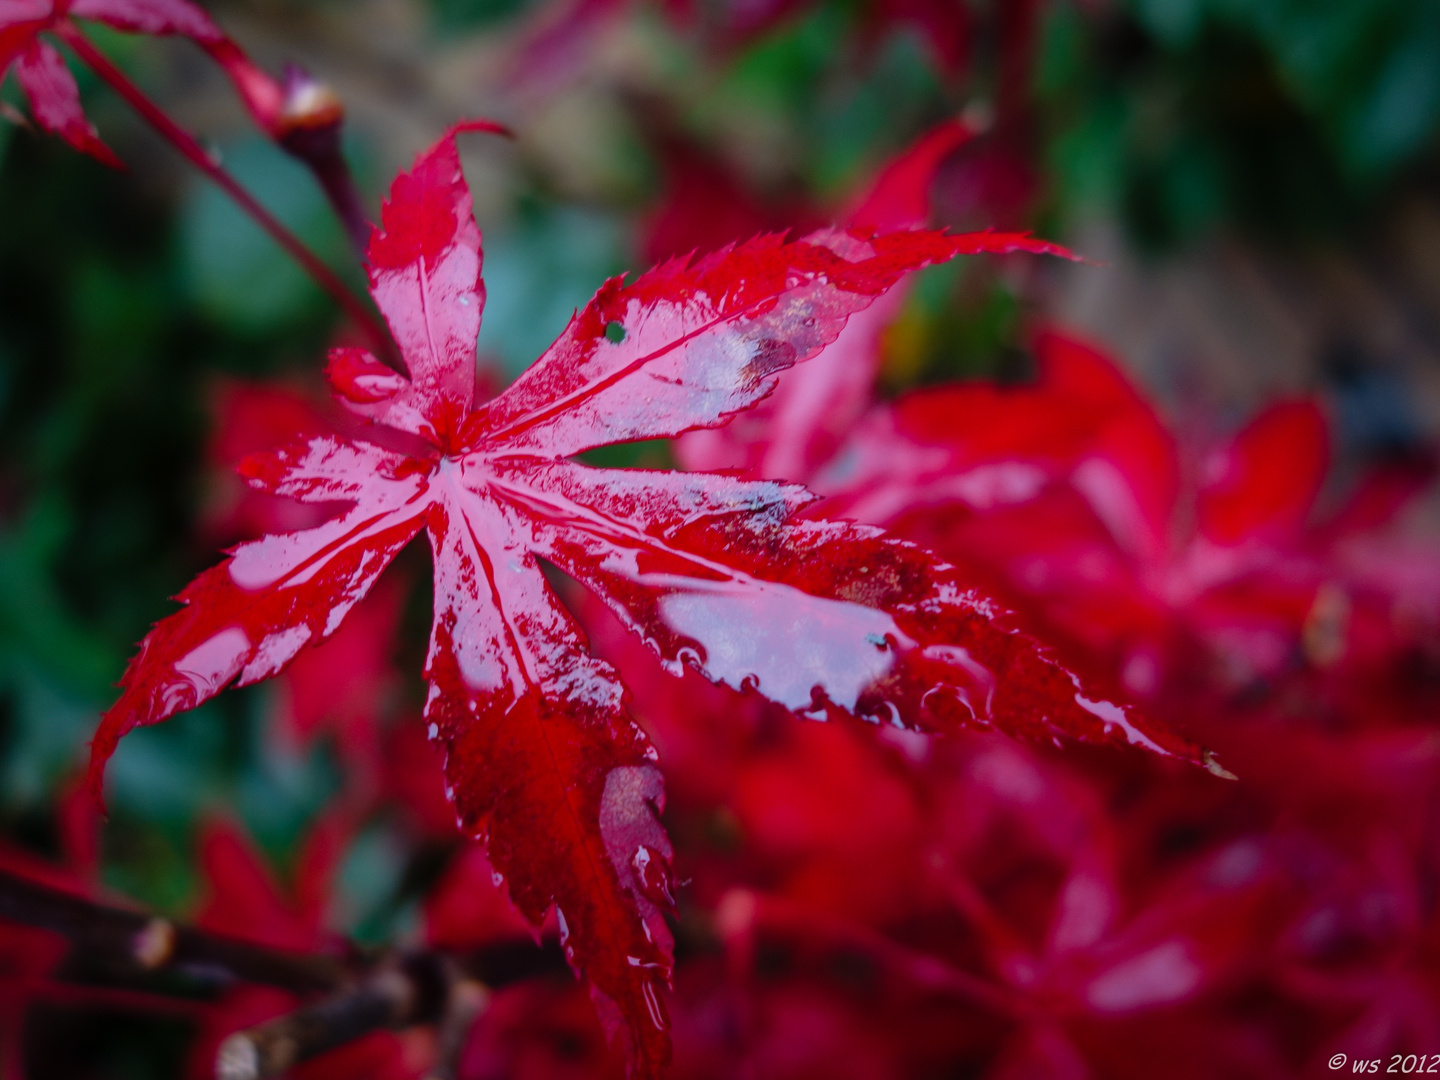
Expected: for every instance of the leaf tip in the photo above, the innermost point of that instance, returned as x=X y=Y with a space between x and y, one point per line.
x=900 y=197
x=254 y=469
x=358 y=378
x=102 y=746
x=481 y=125
x=103 y=154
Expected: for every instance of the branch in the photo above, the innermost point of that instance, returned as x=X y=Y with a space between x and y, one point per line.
x=466 y=1003
x=391 y=998
x=390 y=991
x=421 y=988
x=143 y=944
x=188 y=146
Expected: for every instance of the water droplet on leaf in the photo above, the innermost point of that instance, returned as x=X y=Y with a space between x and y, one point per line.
x=653 y=873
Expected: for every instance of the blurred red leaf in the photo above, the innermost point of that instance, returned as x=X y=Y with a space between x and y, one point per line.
x=554 y=46
x=1068 y=498
x=55 y=100
x=47 y=82
x=1266 y=480
x=704 y=204
x=246 y=418
x=467 y=906
x=243 y=899
x=280 y=110
x=341 y=686
x=414 y=777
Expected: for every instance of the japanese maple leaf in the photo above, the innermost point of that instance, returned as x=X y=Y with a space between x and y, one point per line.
x=825 y=618
x=47 y=82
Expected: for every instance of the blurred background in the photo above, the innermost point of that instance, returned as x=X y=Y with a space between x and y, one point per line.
x=1257 y=180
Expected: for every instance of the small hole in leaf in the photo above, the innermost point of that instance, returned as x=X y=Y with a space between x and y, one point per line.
x=614 y=332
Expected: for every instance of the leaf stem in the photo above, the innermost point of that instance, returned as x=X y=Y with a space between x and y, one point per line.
x=303 y=117
x=188 y=146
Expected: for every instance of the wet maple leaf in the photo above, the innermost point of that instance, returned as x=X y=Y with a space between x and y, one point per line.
x=542 y=760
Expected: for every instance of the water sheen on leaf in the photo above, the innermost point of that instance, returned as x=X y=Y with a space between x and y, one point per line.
x=542 y=760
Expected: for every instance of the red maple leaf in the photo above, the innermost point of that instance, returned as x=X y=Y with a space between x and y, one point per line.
x=824 y=618
x=47 y=82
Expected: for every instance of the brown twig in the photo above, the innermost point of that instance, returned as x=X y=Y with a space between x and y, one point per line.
x=465 y=1000
x=142 y=944
x=390 y=998
x=421 y=988
x=387 y=991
